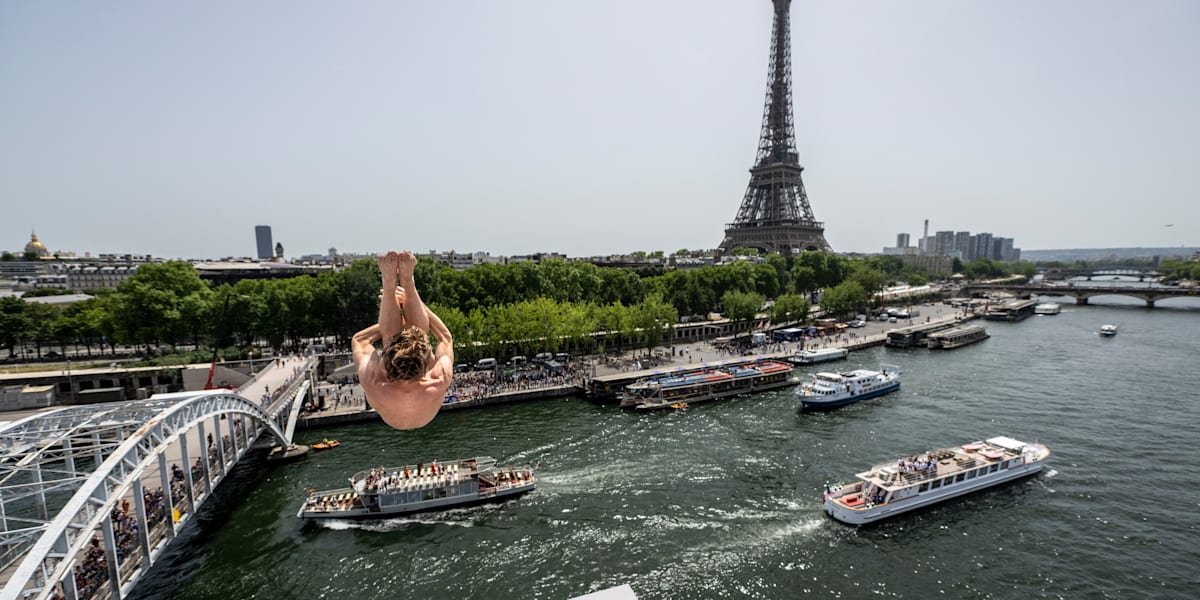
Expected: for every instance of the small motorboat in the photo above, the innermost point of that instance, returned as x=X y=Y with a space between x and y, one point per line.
x=679 y=405
x=326 y=444
x=1108 y=330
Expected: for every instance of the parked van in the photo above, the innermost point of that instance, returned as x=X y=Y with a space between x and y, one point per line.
x=518 y=361
x=485 y=364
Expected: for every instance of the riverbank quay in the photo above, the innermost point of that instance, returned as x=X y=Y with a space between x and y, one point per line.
x=356 y=414
x=611 y=374
x=605 y=385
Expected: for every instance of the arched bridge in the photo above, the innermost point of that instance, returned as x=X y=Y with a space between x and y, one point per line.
x=91 y=496
x=1081 y=294
x=1055 y=273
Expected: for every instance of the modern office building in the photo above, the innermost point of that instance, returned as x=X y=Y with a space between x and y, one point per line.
x=943 y=243
x=262 y=235
x=962 y=243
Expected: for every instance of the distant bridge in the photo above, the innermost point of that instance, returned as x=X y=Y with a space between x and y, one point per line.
x=1081 y=294
x=1055 y=274
x=75 y=481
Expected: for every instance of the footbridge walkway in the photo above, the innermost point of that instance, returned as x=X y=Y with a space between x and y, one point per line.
x=91 y=496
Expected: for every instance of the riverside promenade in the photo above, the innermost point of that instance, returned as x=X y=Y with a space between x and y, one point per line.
x=615 y=369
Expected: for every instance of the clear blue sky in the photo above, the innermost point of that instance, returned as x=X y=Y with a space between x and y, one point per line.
x=589 y=127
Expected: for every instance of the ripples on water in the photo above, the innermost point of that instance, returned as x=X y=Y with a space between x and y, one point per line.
x=723 y=500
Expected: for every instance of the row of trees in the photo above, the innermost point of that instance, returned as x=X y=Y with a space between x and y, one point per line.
x=538 y=307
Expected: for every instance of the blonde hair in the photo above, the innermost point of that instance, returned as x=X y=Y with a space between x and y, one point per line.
x=405 y=356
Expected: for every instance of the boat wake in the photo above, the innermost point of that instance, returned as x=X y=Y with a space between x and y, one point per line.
x=457 y=517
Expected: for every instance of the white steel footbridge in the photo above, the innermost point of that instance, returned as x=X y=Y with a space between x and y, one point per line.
x=91 y=495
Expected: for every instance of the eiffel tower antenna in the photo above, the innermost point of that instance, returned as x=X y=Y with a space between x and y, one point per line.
x=775 y=215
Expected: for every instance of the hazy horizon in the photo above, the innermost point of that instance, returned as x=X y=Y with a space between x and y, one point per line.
x=589 y=129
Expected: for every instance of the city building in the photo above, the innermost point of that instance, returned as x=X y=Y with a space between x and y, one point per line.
x=962 y=244
x=983 y=245
x=958 y=244
x=943 y=243
x=35 y=247
x=262 y=235
x=941 y=265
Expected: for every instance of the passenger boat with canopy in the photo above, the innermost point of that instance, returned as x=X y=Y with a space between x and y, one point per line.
x=690 y=387
x=390 y=491
x=912 y=482
x=812 y=357
x=827 y=391
x=1047 y=308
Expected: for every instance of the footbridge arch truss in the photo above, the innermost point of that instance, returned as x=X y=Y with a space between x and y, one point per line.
x=91 y=495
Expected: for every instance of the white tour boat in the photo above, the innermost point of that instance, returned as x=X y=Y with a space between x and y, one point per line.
x=931 y=477
x=386 y=492
x=1108 y=330
x=833 y=390
x=812 y=357
x=1047 y=308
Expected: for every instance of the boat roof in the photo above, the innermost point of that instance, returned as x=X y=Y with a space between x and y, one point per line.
x=957 y=330
x=950 y=461
x=1006 y=442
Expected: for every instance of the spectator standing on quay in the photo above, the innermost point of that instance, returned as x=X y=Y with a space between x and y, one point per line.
x=406 y=382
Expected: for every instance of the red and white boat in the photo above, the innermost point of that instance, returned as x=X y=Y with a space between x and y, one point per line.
x=923 y=479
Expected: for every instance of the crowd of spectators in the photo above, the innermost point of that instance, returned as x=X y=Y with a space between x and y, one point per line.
x=91 y=575
x=475 y=385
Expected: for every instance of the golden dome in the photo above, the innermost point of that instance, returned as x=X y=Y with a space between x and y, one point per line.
x=35 y=246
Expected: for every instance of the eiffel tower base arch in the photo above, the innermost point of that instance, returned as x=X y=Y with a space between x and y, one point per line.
x=782 y=239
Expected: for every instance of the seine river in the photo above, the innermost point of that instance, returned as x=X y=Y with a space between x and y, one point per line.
x=723 y=500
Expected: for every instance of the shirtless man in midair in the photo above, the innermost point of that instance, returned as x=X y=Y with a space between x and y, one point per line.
x=406 y=382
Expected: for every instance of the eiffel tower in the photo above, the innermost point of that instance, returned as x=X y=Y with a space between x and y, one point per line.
x=775 y=215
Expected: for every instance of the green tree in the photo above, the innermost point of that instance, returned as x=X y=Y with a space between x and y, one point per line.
x=790 y=308
x=844 y=298
x=872 y=280
x=161 y=302
x=7 y=256
x=741 y=307
x=42 y=320
x=655 y=318
x=15 y=327
x=983 y=268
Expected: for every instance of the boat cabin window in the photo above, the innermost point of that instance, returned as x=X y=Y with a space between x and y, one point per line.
x=1004 y=465
x=937 y=484
x=971 y=475
x=982 y=471
x=994 y=468
x=948 y=480
x=960 y=477
x=924 y=487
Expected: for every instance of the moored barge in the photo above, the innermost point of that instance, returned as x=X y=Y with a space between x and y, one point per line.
x=957 y=337
x=706 y=384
